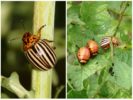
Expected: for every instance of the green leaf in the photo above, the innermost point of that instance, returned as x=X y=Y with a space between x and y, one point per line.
x=92 y=85
x=77 y=94
x=122 y=74
x=73 y=15
x=124 y=55
x=13 y=85
x=123 y=94
x=108 y=89
x=104 y=74
x=96 y=16
x=78 y=73
x=111 y=90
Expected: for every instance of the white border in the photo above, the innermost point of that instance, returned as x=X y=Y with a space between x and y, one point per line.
x=66 y=43
x=66 y=48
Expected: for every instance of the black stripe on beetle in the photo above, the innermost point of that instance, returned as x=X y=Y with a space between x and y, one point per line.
x=105 y=41
x=33 y=61
x=38 y=51
x=42 y=61
x=50 y=51
x=43 y=55
x=48 y=55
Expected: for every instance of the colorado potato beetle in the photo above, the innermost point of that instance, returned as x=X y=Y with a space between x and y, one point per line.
x=39 y=53
x=105 y=43
x=83 y=55
x=93 y=47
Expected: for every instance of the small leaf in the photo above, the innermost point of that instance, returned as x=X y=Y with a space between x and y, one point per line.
x=13 y=85
x=108 y=89
x=122 y=74
x=78 y=73
x=93 y=86
x=77 y=94
x=123 y=93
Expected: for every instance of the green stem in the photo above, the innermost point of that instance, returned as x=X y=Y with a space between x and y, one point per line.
x=68 y=82
x=123 y=7
x=121 y=16
x=43 y=14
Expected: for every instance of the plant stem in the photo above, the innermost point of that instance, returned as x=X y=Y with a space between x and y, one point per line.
x=112 y=51
x=43 y=14
x=121 y=16
x=123 y=7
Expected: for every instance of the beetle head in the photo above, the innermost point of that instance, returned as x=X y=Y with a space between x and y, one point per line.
x=26 y=37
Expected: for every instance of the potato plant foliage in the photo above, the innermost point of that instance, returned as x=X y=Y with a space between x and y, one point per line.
x=102 y=76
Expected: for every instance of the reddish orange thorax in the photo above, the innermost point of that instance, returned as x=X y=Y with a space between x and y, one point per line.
x=29 y=40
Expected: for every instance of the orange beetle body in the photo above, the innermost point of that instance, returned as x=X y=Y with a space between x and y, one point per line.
x=93 y=47
x=83 y=55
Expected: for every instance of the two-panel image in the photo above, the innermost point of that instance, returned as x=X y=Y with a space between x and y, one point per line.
x=66 y=49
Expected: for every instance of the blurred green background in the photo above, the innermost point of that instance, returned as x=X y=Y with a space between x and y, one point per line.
x=16 y=19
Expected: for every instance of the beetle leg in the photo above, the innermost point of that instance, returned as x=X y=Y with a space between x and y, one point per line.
x=48 y=40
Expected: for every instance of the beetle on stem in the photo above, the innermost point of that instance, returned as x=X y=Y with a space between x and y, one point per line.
x=38 y=51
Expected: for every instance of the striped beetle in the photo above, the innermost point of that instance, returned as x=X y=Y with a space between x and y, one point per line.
x=39 y=53
x=105 y=43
